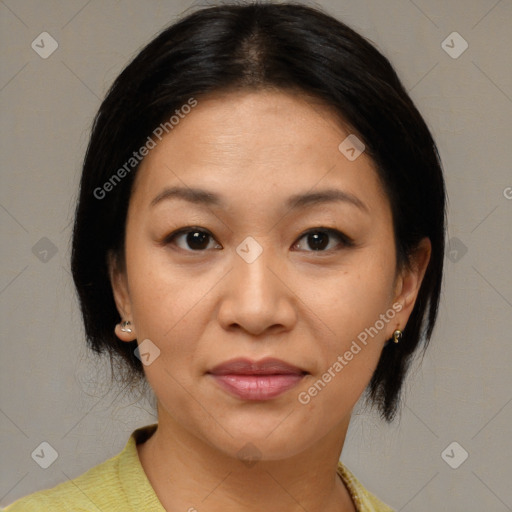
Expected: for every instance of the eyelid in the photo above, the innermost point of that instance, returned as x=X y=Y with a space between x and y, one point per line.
x=345 y=240
x=168 y=239
x=186 y=229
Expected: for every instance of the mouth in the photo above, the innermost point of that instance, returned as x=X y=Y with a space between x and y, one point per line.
x=256 y=380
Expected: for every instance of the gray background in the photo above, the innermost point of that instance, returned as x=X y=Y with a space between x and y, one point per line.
x=53 y=390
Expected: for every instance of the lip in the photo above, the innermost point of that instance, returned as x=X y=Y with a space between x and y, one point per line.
x=256 y=380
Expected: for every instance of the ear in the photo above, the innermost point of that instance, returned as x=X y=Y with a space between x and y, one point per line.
x=409 y=281
x=121 y=292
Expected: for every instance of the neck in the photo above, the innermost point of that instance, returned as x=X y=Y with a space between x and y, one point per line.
x=188 y=474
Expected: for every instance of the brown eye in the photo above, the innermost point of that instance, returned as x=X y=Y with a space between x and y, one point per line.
x=320 y=240
x=192 y=239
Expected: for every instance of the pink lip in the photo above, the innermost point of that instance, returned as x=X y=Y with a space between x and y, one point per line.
x=256 y=380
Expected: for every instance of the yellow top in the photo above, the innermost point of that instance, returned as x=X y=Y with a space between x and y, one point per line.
x=121 y=485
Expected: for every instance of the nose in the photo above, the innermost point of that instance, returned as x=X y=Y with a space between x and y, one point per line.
x=257 y=298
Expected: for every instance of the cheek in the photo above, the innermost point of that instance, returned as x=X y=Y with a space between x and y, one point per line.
x=164 y=306
x=162 y=293
x=353 y=299
x=348 y=356
x=355 y=309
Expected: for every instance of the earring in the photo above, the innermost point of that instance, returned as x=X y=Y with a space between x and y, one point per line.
x=397 y=335
x=125 y=326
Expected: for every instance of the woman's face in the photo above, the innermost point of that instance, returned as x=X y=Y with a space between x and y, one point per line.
x=231 y=273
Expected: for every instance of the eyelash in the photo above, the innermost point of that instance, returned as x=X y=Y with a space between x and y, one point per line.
x=344 y=240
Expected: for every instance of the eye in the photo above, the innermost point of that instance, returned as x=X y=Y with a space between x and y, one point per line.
x=195 y=238
x=319 y=238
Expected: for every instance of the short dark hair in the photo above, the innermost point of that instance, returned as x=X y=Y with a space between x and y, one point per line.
x=257 y=46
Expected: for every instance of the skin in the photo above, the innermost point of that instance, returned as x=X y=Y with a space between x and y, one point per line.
x=203 y=307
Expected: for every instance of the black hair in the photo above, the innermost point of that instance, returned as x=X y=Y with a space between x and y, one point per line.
x=256 y=46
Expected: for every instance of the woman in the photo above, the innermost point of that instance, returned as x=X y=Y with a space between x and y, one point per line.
x=260 y=236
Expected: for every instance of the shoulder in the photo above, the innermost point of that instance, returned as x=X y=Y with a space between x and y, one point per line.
x=84 y=493
x=365 y=501
x=115 y=485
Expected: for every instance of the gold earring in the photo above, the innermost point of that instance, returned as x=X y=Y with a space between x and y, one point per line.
x=125 y=326
x=397 y=335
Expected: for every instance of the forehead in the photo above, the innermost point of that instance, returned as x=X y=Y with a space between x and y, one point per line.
x=256 y=145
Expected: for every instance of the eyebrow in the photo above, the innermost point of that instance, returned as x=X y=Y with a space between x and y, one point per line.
x=208 y=198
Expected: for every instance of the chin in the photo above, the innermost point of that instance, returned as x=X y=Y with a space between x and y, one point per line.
x=276 y=437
